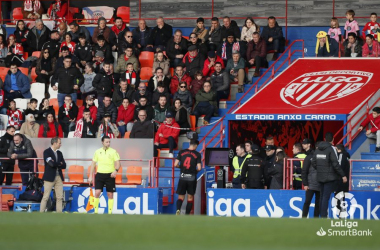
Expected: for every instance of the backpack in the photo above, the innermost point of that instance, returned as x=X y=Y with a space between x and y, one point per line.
x=33 y=189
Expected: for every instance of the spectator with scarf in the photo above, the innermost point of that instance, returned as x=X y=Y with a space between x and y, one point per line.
x=67 y=115
x=90 y=106
x=117 y=32
x=133 y=78
x=124 y=59
x=50 y=128
x=14 y=115
x=87 y=126
x=107 y=128
x=229 y=45
x=21 y=34
x=32 y=9
x=58 y=11
x=193 y=60
x=15 y=52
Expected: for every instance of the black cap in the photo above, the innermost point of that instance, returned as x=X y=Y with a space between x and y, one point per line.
x=107 y=115
x=169 y=114
x=211 y=54
x=269 y=147
x=192 y=47
x=255 y=148
x=306 y=141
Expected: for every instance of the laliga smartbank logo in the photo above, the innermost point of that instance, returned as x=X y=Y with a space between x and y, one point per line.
x=343 y=206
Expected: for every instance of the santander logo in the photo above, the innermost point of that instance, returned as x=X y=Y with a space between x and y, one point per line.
x=325 y=86
x=270 y=209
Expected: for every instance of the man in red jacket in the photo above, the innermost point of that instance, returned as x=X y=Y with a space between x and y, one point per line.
x=167 y=135
x=88 y=105
x=179 y=76
x=209 y=65
x=374 y=132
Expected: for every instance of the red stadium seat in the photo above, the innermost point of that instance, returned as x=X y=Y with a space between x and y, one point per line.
x=54 y=103
x=76 y=173
x=73 y=10
x=146 y=73
x=36 y=54
x=41 y=169
x=25 y=71
x=3 y=72
x=17 y=175
x=7 y=201
x=134 y=175
x=146 y=59
x=124 y=13
x=33 y=74
x=17 y=14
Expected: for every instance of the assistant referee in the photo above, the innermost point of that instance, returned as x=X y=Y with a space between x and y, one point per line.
x=108 y=164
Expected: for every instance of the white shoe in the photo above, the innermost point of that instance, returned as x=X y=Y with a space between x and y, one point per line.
x=171 y=155
x=178 y=212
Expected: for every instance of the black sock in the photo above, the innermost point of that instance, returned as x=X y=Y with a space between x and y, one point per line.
x=179 y=204
x=189 y=206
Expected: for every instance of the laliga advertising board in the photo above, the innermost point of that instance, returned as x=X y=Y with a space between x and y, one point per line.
x=313 y=87
x=288 y=204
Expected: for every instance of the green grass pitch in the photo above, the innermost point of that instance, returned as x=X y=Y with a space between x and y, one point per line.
x=111 y=232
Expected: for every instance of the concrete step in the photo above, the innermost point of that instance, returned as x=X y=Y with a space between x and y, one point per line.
x=370 y=156
x=372 y=148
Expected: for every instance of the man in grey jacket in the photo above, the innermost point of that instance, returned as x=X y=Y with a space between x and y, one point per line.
x=220 y=82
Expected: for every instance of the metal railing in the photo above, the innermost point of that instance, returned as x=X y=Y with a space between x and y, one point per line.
x=154 y=177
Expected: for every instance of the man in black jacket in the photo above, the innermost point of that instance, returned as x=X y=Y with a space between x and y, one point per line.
x=67 y=115
x=83 y=51
x=230 y=26
x=120 y=92
x=107 y=106
x=142 y=128
x=6 y=165
x=20 y=149
x=64 y=53
x=103 y=82
x=161 y=34
x=142 y=36
x=53 y=45
x=128 y=41
x=252 y=173
x=193 y=60
x=67 y=81
x=53 y=177
x=270 y=151
x=272 y=34
x=176 y=48
x=76 y=30
x=38 y=36
x=325 y=161
x=143 y=105
x=117 y=32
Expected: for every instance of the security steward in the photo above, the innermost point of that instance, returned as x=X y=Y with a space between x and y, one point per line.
x=108 y=165
x=252 y=173
x=237 y=164
x=297 y=165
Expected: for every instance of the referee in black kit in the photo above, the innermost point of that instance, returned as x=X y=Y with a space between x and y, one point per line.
x=189 y=161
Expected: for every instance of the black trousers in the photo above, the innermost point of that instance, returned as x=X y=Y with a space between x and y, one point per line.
x=308 y=197
x=259 y=62
x=327 y=189
x=171 y=145
x=6 y=166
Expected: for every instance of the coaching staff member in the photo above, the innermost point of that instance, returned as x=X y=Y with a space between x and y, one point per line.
x=108 y=164
x=53 y=177
x=189 y=161
x=252 y=173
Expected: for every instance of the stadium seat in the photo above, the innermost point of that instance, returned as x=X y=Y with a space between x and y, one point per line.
x=25 y=71
x=41 y=170
x=88 y=170
x=33 y=74
x=73 y=10
x=193 y=122
x=76 y=173
x=134 y=175
x=3 y=72
x=36 y=91
x=52 y=93
x=126 y=135
x=54 y=103
x=96 y=103
x=37 y=54
x=25 y=55
x=119 y=176
x=146 y=73
x=7 y=201
x=71 y=134
x=124 y=13
x=17 y=175
x=146 y=59
x=21 y=103
x=79 y=103
x=4 y=120
x=17 y=14
x=171 y=71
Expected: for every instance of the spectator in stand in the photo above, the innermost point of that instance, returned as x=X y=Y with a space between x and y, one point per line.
x=226 y=49
x=184 y=95
x=67 y=115
x=197 y=83
x=45 y=69
x=102 y=29
x=124 y=59
x=67 y=81
x=32 y=108
x=44 y=110
x=248 y=29
x=277 y=171
x=326 y=46
x=86 y=126
x=159 y=76
x=194 y=40
x=30 y=128
x=161 y=34
x=6 y=165
x=125 y=114
x=371 y=48
x=83 y=51
x=214 y=36
x=141 y=91
x=127 y=41
x=351 y=25
x=352 y=46
x=20 y=149
x=167 y=135
x=66 y=53
x=15 y=116
x=176 y=48
x=235 y=67
x=133 y=78
x=102 y=45
x=161 y=90
x=374 y=132
x=3 y=51
x=15 y=52
x=144 y=106
x=142 y=36
x=89 y=104
x=220 y=83
x=205 y=103
x=272 y=35
x=98 y=61
x=87 y=88
x=209 y=65
x=32 y=9
x=117 y=32
x=371 y=27
x=37 y=36
x=76 y=30
x=21 y=34
x=142 y=128
x=53 y=45
x=257 y=53
x=59 y=10
x=179 y=76
x=3 y=101
x=108 y=128
x=69 y=43
x=230 y=27
x=50 y=128
x=121 y=92
x=193 y=60
x=200 y=30
x=103 y=82
x=107 y=106
x=334 y=31
x=182 y=116
x=62 y=30
x=16 y=84
x=160 y=61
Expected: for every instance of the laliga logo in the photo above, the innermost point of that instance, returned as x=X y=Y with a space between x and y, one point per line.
x=320 y=87
x=83 y=199
x=340 y=205
x=272 y=208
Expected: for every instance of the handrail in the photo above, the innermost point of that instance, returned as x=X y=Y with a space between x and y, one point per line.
x=154 y=175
